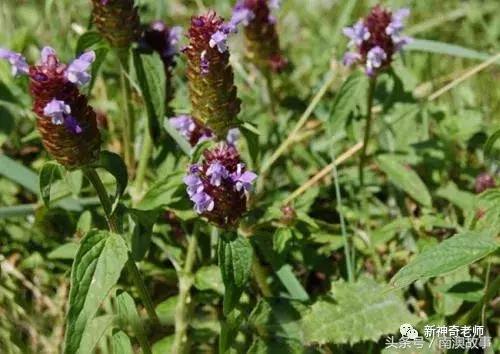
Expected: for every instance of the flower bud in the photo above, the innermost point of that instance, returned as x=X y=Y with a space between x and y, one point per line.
x=66 y=122
x=218 y=186
x=483 y=182
x=262 y=41
x=210 y=76
x=117 y=21
x=375 y=39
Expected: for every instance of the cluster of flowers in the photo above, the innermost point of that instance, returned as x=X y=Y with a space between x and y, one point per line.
x=66 y=122
x=375 y=39
x=196 y=133
x=218 y=184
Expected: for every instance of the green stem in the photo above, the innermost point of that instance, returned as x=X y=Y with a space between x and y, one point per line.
x=94 y=178
x=270 y=91
x=183 y=303
x=362 y=158
x=486 y=286
x=128 y=130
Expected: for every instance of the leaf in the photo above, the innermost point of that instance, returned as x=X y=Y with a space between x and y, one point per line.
x=51 y=171
x=235 y=262
x=178 y=138
x=343 y=19
x=19 y=174
x=96 y=269
x=164 y=345
x=66 y=251
x=463 y=200
x=360 y=311
x=291 y=283
x=84 y=223
x=151 y=78
x=127 y=314
x=209 y=278
x=88 y=40
x=405 y=178
x=467 y=290
x=94 y=332
x=229 y=330
x=198 y=150
x=349 y=96
x=121 y=343
x=445 y=48
x=114 y=164
x=141 y=233
x=277 y=346
x=281 y=238
x=164 y=192
x=457 y=251
x=166 y=310
x=490 y=143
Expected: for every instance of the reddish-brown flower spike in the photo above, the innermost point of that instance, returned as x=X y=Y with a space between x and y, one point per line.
x=262 y=41
x=74 y=141
x=210 y=76
x=117 y=21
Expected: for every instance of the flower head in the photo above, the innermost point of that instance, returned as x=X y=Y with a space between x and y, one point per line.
x=210 y=75
x=218 y=186
x=375 y=39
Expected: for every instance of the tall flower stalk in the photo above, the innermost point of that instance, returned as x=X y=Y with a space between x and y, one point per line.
x=374 y=40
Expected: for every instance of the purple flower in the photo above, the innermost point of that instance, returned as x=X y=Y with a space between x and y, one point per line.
x=396 y=25
x=241 y=14
x=219 y=40
x=194 y=184
x=243 y=180
x=374 y=60
x=351 y=58
x=71 y=124
x=357 y=33
x=183 y=124
x=57 y=110
x=400 y=42
x=217 y=173
x=202 y=202
x=46 y=53
x=232 y=136
x=77 y=69
x=16 y=60
x=204 y=64
x=174 y=37
x=275 y=4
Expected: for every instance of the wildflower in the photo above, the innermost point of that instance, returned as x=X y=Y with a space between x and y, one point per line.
x=165 y=41
x=16 y=60
x=262 y=40
x=210 y=76
x=375 y=39
x=219 y=185
x=483 y=182
x=117 y=21
x=195 y=132
x=66 y=122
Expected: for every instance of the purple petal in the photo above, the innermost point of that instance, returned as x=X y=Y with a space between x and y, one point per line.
x=202 y=202
x=57 y=110
x=232 y=136
x=219 y=40
x=77 y=70
x=16 y=60
x=183 y=124
x=72 y=125
x=374 y=59
x=350 y=58
x=46 y=53
x=217 y=173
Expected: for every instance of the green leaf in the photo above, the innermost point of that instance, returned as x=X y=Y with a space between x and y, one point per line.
x=51 y=171
x=88 y=40
x=343 y=19
x=178 y=138
x=277 y=346
x=463 y=200
x=445 y=48
x=19 y=174
x=209 y=278
x=350 y=94
x=405 y=178
x=141 y=233
x=281 y=238
x=164 y=345
x=95 y=330
x=121 y=343
x=127 y=314
x=229 y=330
x=151 y=78
x=164 y=192
x=114 y=164
x=66 y=251
x=235 y=262
x=359 y=311
x=490 y=143
x=166 y=311
x=457 y=251
x=84 y=223
x=96 y=269
x=291 y=283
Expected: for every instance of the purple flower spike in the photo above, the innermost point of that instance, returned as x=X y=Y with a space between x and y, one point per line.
x=77 y=70
x=217 y=173
x=243 y=179
x=219 y=40
x=16 y=60
x=72 y=125
x=57 y=110
x=357 y=33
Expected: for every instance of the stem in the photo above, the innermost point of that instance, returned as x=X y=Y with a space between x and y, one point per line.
x=128 y=129
x=270 y=91
x=182 y=308
x=369 y=105
x=486 y=286
x=260 y=274
x=94 y=178
x=338 y=196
